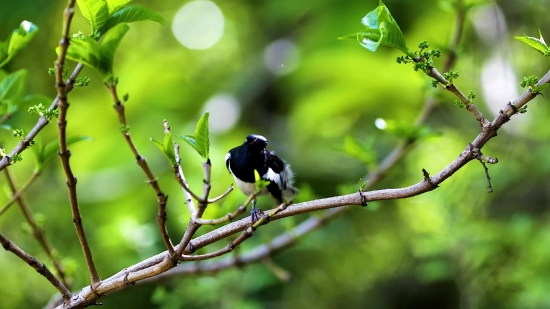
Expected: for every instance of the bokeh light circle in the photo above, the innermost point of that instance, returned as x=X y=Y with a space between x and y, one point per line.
x=198 y=24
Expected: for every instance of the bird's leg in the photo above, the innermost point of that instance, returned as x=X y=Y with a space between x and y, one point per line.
x=255 y=213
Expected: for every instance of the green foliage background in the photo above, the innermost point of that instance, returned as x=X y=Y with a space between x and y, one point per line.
x=455 y=247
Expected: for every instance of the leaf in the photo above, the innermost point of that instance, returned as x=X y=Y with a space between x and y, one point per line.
x=189 y=139
x=537 y=44
x=259 y=183
x=87 y=51
x=202 y=136
x=19 y=39
x=47 y=151
x=200 y=141
x=158 y=144
x=169 y=148
x=96 y=12
x=382 y=29
x=132 y=14
x=13 y=87
x=109 y=46
x=115 y=5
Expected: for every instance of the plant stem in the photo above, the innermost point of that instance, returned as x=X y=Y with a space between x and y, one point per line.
x=64 y=153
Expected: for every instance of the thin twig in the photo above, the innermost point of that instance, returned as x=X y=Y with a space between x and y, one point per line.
x=41 y=123
x=247 y=233
x=19 y=193
x=39 y=267
x=229 y=217
x=64 y=153
x=210 y=201
x=193 y=226
x=140 y=160
x=37 y=231
x=180 y=177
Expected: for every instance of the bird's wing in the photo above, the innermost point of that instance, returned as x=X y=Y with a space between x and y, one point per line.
x=276 y=170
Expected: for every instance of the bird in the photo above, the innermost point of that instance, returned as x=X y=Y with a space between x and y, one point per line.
x=241 y=162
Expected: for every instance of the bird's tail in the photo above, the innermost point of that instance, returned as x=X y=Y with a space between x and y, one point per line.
x=290 y=192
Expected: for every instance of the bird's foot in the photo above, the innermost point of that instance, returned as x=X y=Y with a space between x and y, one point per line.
x=256 y=214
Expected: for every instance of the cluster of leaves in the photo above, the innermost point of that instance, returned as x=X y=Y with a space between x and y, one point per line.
x=422 y=59
x=107 y=18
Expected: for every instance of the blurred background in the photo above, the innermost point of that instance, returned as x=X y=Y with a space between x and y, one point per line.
x=276 y=68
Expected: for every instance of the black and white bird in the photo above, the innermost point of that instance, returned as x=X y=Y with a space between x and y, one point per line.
x=252 y=155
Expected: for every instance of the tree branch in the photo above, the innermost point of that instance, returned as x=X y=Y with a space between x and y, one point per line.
x=64 y=153
x=39 y=267
x=37 y=231
x=41 y=123
x=140 y=160
x=160 y=263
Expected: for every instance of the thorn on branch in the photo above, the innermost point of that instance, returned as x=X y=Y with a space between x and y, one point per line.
x=428 y=179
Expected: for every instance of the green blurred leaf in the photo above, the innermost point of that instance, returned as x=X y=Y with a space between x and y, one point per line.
x=20 y=37
x=109 y=46
x=382 y=29
x=115 y=5
x=35 y=99
x=169 y=148
x=202 y=136
x=537 y=44
x=45 y=153
x=96 y=12
x=132 y=14
x=13 y=87
x=362 y=152
x=87 y=51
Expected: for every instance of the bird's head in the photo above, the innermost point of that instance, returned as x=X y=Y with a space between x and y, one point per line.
x=256 y=142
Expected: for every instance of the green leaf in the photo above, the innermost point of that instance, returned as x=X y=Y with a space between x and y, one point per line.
x=109 y=46
x=87 y=51
x=259 y=183
x=202 y=136
x=96 y=12
x=115 y=5
x=13 y=87
x=158 y=144
x=19 y=39
x=537 y=44
x=189 y=139
x=132 y=14
x=382 y=29
x=200 y=141
x=47 y=151
x=169 y=148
